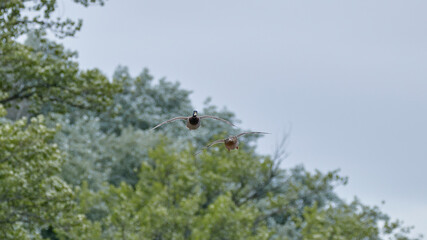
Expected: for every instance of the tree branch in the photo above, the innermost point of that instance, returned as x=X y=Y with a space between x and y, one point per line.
x=20 y=94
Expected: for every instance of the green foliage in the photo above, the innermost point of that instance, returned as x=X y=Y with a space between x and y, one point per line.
x=3 y=111
x=40 y=76
x=41 y=73
x=171 y=201
x=85 y=148
x=347 y=222
x=32 y=195
x=126 y=154
x=223 y=195
x=99 y=158
x=18 y=17
x=45 y=75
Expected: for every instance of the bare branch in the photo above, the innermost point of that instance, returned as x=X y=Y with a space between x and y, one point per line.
x=280 y=152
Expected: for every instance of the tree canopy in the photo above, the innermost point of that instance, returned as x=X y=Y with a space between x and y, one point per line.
x=41 y=74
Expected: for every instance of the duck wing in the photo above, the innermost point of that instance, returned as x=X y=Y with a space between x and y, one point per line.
x=244 y=133
x=170 y=120
x=217 y=118
x=210 y=145
x=215 y=142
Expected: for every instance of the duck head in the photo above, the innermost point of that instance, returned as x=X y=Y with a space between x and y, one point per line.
x=194 y=119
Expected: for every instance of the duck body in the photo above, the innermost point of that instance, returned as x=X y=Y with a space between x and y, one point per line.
x=231 y=143
x=193 y=122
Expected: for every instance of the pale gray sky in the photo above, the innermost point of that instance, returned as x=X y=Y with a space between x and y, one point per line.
x=349 y=76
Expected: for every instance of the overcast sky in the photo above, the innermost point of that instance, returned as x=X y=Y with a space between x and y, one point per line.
x=349 y=76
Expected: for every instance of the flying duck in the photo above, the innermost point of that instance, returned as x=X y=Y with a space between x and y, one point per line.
x=231 y=142
x=193 y=121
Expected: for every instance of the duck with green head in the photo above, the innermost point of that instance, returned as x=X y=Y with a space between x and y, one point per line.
x=193 y=121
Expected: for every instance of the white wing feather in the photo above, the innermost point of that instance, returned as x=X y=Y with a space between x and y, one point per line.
x=241 y=134
x=217 y=118
x=170 y=120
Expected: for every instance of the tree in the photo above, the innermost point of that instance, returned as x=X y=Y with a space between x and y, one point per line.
x=41 y=73
x=15 y=19
x=32 y=196
x=350 y=221
x=99 y=158
x=171 y=201
x=85 y=149
x=222 y=195
x=43 y=77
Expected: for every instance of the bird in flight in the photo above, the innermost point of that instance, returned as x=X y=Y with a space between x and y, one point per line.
x=193 y=121
x=231 y=142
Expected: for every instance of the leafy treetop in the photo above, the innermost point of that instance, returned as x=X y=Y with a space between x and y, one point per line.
x=18 y=17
